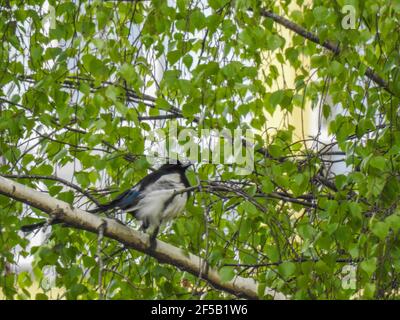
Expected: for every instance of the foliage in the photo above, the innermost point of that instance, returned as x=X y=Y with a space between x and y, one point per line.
x=74 y=92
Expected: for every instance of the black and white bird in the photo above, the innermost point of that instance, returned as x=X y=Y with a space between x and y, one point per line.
x=154 y=200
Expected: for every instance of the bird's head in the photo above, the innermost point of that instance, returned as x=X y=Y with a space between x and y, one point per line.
x=178 y=166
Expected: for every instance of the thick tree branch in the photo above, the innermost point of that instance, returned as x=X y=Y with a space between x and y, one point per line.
x=326 y=44
x=53 y=178
x=163 y=252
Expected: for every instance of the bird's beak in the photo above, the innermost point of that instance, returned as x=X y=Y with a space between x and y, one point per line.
x=187 y=165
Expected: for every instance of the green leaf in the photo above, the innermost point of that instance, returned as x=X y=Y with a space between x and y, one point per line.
x=245 y=228
x=198 y=19
x=188 y=60
x=36 y=54
x=95 y=66
x=369 y=291
x=76 y=290
x=267 y=185
x=369 y=266
x=274 y=42
x=41 y=296
x=226 y=274
x=340 y=181
x=336 y=68
x=326 y=111
x=249 y=208
x=82 y=178
x=320 y=13
x=67 y=196
x=287 y=269
x=318 y=61
x=380 y=229
x=378 y=162
x=112 y=93
x=276 y=97
x=174 y=56
x=128 y=72
x=375 y=185
x=355 y=210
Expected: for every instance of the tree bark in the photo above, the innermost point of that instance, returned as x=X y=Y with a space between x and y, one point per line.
x=163 y=252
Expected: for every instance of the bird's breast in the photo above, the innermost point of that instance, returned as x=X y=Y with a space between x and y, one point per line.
x=160 y=205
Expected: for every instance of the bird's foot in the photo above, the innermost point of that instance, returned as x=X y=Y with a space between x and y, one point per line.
x=153 y=239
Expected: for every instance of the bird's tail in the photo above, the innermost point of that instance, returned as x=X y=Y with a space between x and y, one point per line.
x=102 y=208
x=34 y=226
x=117 y=202
x=99 y=209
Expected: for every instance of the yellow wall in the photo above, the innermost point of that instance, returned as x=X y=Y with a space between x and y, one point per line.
x=300 y=119
x=34 y=289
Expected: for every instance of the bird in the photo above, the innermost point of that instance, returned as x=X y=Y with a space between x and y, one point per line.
x=156 y=199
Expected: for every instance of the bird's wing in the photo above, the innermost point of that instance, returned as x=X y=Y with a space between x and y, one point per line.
x=126 y=199
x=155 y=181
x=154 y=196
